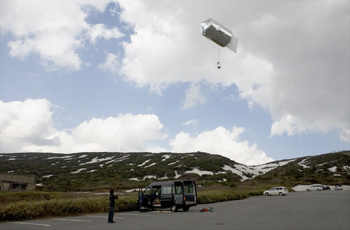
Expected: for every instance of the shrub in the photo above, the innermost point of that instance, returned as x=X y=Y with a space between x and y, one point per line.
x=206 y=197
x=23 y=210
x=44 y=205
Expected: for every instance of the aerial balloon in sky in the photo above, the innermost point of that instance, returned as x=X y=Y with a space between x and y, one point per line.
x=219 y=34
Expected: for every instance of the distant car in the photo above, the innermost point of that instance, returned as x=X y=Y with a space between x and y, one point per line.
x=315 y=187
x=326 y=187
x=338 y=187
x=282 y=191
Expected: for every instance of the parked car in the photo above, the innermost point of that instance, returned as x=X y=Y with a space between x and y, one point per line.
x=315 y=187
x=326 y=187
x=282 y=191
x=338 y=187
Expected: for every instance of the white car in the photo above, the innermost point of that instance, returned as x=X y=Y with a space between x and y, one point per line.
x=315 y=187
x=338 y=187
x=282 y=191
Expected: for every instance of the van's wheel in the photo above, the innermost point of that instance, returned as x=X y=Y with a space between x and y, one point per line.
x=186 y=208
x=281 y=194
x=266 y=194
x=174 y=208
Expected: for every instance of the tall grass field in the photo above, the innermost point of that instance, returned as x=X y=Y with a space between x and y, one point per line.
x=33 y=205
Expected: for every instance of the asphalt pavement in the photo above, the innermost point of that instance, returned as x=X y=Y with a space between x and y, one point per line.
x=298 y=210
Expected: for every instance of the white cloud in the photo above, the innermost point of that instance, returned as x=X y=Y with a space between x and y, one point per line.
x=159 y=48
x=292 y=57
x=345 y=136
x=53 y=30
x=28 y=126
x=99 y=31
x=48 y=28
x=191 y=122
x=285 y=124
x=126 y=132
x=194 y=96
x=222 y=142
x=111 y=64
x=25 y=123
x=167 y=48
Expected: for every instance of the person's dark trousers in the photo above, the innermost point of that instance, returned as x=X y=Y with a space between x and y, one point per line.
x=110 y=214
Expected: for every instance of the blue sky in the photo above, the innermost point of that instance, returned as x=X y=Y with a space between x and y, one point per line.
x=138 y=76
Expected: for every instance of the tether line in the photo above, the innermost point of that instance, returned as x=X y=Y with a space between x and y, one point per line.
x=130 y=170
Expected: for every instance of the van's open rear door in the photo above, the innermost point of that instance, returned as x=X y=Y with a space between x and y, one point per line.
x=179 y=193
x=190 y=192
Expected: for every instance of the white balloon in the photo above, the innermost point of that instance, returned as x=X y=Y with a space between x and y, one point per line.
x=219 y=34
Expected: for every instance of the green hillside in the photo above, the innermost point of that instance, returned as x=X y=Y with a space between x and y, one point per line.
x=331 y=168
x=99 y=171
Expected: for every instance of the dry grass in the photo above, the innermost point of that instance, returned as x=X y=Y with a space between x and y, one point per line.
x=33 y=205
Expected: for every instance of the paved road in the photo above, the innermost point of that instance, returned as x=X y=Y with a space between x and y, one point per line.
x=299 y=210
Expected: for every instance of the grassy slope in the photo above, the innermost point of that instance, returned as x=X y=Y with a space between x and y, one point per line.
x=32 y=205
x=117 y=174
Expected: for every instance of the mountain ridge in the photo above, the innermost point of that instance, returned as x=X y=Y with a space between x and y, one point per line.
x=100 y=170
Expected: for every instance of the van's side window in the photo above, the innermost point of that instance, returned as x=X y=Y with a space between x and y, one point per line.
x=189 y=189
x=166 y=189
x=178 y=189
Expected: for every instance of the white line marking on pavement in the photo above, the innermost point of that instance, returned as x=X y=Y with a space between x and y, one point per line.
x=88 y=221
x=46 y=225
x=125 y=214
x=97 y=216
x=104 y=217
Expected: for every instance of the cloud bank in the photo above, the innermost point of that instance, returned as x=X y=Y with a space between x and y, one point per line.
x=55 y=31
x=28 y=127
x=223 y=142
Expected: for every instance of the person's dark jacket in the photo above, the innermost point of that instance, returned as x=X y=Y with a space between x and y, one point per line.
x=112 y=199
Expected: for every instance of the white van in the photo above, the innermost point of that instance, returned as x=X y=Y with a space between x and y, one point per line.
x=315 y=187
x=282 y=191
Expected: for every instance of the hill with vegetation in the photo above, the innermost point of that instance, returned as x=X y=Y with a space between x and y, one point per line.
x=99 y=171
x=331 y=169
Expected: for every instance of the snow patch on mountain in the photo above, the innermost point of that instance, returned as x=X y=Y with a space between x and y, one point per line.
x=200 y=172
x=96 y=159
x=165 y=157
x=303 y=163
x=248 y=172
x=144 y=163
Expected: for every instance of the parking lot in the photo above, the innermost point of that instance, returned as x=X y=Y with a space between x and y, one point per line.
x=298 y=210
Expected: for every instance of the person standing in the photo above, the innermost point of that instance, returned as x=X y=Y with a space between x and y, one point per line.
x=112 y=199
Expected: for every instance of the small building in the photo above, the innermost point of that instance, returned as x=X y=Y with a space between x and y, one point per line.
x=13 y=182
